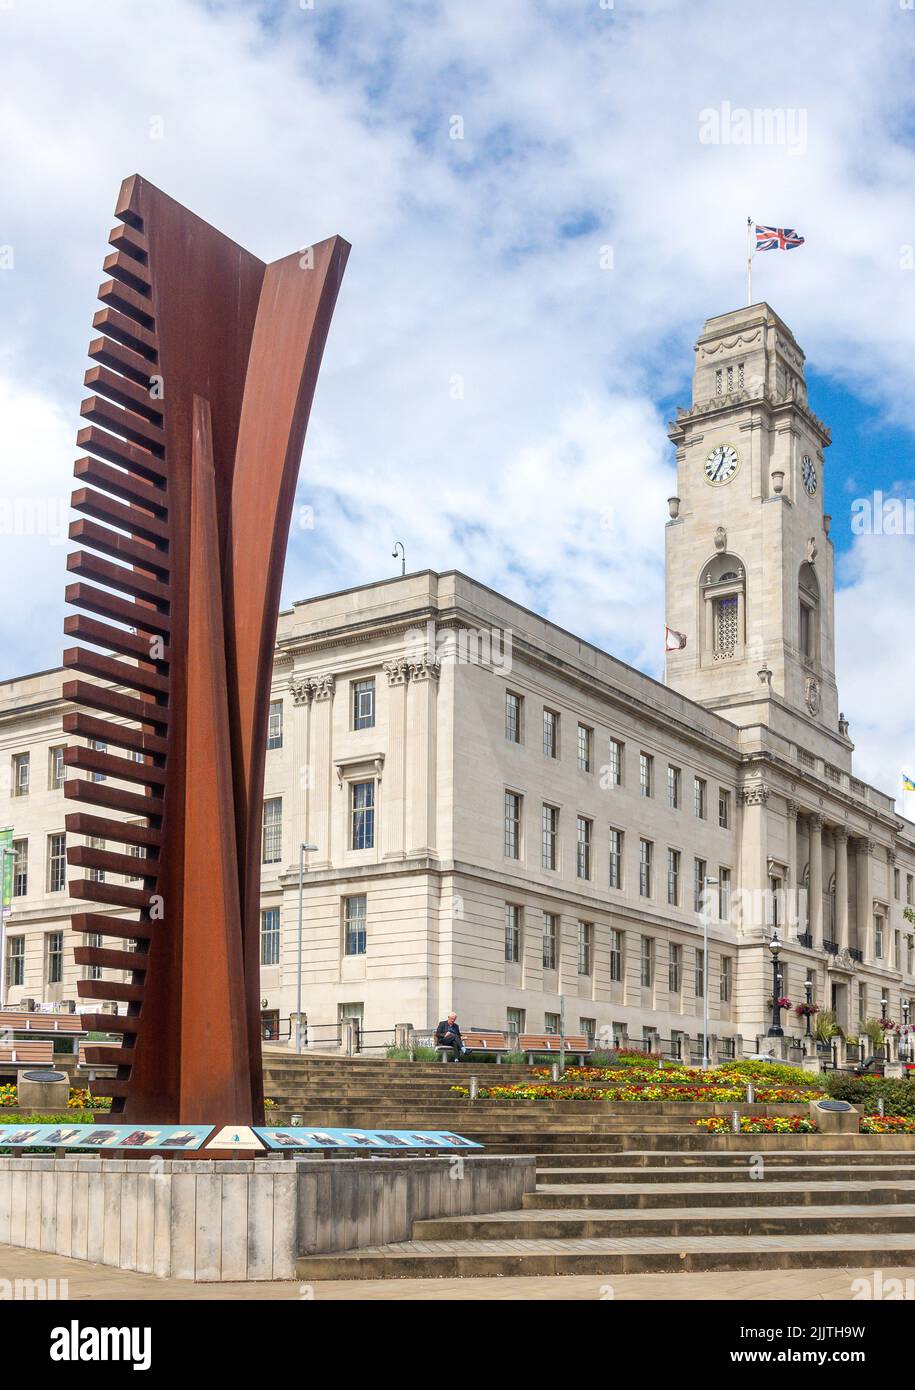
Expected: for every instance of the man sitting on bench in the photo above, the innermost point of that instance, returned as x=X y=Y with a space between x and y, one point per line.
x=448 y=1035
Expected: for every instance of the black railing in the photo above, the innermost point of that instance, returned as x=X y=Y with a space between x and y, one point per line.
x=805 y=939
x=831 y=947
x=856 y=954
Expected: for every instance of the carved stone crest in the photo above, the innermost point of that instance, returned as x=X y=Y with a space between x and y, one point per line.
x=812 y=695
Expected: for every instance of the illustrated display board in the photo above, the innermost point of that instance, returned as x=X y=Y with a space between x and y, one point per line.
x=298 y=1137
x=169 y=1138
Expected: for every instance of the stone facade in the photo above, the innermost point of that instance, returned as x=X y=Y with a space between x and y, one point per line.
x=510 y=822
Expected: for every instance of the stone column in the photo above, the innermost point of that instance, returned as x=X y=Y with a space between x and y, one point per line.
x=320 y=759
x=302 y=771
x=393 y=820
x=791 y=810
x=754 y=882
x=815 y=886
x=840 y=836
x=865 y=906
x=424 y=676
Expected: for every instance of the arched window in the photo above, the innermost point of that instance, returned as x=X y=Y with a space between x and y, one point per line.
x=724 y=597
x=808 y=613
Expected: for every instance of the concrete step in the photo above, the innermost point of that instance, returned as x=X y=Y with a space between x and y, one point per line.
x=688 y=1196
x=608 y=1255
x=739 y=1222
x=558 y=1177
x=674 y=1158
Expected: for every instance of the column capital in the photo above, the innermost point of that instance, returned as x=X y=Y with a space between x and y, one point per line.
x=864 y=846
x=397 y=671
x=792 y=810
x=426 y=667
x=815 y=822
x=322 y=687
x=840 y=834
x=891 y=854
x=757 y=794
x=301 y=691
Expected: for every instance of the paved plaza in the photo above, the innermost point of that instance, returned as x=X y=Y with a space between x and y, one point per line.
x=96 y=1282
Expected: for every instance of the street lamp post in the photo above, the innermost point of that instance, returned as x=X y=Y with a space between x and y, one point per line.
x=706 y=884
x=303 y=850
x=775 y=946
x=808 y=994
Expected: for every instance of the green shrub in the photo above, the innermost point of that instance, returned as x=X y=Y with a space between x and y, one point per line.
x=420 y=1054
x=865 y=1091
x=79 y=1117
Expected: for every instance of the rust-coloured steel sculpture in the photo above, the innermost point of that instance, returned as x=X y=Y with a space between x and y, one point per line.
x=205 y=368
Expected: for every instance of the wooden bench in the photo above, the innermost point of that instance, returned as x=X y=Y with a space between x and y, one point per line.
x=475 y=1041
x=96 y=1042
x=46 y=1024
x=575 y=1043
x=37 y=1052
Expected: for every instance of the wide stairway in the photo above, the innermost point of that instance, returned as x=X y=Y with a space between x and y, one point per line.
x=619 y=1190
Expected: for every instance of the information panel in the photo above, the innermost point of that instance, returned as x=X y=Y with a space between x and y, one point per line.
x=170 y=1138
x=300 y=1137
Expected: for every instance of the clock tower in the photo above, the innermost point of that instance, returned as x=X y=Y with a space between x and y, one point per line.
x=749 y=562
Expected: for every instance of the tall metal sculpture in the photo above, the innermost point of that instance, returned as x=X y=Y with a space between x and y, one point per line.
x=204 y=371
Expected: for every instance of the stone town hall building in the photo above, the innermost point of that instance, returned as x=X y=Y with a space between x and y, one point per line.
x=507 y=817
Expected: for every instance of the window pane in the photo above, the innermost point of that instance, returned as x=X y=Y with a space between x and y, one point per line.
x=354 y=915
x=363 y=815
x=272 y=835
x=270 y=936
x=275 y=725
x=364 y=704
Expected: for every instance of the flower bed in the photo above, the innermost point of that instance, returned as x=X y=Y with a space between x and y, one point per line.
x=766 y=1074
x=765 y=1095
x=888 y=1124
x=760 y=1124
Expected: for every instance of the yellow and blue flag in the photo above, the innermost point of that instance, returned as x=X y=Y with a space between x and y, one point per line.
x=908 y=783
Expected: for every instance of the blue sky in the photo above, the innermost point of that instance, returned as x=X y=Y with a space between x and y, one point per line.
x=493 y=394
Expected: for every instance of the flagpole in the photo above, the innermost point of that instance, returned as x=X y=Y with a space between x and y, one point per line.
x=749 y=264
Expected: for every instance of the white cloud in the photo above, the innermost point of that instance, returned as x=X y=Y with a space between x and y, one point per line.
x=547 y=478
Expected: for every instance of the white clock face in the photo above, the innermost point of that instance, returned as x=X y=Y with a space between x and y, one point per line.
x=809 y=474
x=721 y=464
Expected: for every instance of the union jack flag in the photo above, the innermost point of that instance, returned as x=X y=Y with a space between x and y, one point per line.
x=777 y=238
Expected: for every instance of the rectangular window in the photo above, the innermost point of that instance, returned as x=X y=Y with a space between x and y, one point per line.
x=364 y=703
x=724 y=893
x=583 y=855
x=700 y=797
x=775 y=900
x=137 y=852
x=514 y=1022
x=56 y=771
x=362 y=815
x=275 y=725
x=910 y=890
x=700 y=973
x=549 y=848
x=57 y=863
x=588 y=1026
x=862 y=1002
x=512 y=833
x=551 y=1024
x=93 y=972
x=96 y=875
x=512 y=933
x=673 y=877
x=616 y=955
x=98 y=746
x=54 y=957
x=805 y=621
x=21 y=774
x=646 y=973
x=699 y=872
x=645 y=848
x=616 y=858
x=727 y=979
x=724 y=808
x=354 y=925
x=15 y=961
x=585 y=945
x=646 y=774
x=272 y=831
x=897 y=881
x=270 y=936
x=20 y=868
x=615 y=763
x=585 y=745
x=550 y=941
x=878 y=938
x=550 y=733
x=512 y=717
x=674 y=964
x=673 y=788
